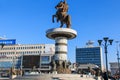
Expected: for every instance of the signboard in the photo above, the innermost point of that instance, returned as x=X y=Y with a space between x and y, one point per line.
x=8 y=41
x=50 y=48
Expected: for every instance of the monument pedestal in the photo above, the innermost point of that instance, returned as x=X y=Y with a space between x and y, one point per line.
x=61 y=36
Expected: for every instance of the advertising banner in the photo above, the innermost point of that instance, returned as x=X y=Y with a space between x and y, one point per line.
x=8 y=41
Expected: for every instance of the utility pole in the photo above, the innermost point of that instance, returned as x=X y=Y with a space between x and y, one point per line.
x=118 y=45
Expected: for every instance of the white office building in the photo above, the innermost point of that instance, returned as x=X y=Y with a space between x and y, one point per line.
x=15 y=55
x=114 y=67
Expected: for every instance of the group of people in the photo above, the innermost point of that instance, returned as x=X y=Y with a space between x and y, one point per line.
x=106 y=76
x=98 y=73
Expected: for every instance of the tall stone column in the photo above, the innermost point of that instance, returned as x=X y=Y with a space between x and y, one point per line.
x=61 y=48
x=61 y=37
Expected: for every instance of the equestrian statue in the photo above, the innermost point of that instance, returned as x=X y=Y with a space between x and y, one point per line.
x=61 y=14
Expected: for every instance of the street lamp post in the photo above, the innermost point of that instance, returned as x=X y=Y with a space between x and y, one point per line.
x=118 y=56
x=106 y=40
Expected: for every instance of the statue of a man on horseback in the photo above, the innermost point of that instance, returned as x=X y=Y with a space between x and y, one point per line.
x=61 y=14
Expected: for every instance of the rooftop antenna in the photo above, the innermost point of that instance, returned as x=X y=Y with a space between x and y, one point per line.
x=90 y=43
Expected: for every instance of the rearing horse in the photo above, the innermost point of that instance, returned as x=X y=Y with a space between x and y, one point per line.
x=61 y=15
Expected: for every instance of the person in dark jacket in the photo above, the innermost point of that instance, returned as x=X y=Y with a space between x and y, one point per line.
x=105 y=76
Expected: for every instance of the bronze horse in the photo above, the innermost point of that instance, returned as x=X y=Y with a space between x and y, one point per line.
x=61 y=15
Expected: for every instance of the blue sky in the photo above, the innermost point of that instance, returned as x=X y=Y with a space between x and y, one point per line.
x=27 y=22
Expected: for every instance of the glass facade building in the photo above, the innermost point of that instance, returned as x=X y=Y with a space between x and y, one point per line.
x=89 y=55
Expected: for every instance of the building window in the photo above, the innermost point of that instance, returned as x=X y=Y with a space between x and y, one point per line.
x=45 y=59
